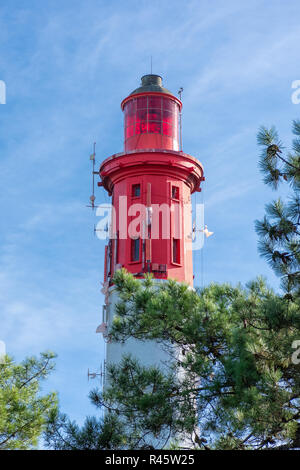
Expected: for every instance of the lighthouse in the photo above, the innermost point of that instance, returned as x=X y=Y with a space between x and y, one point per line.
x=150 y=183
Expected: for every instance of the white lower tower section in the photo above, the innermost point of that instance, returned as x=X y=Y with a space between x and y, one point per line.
x=148 y=353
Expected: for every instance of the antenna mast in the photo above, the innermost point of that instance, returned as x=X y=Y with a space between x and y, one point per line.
x=180 y=120
x=101 y=374
x=93 y=159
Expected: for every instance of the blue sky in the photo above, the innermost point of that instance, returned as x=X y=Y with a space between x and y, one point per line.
x=67 y=66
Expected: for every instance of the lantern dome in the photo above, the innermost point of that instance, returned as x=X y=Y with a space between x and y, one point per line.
x=151 y=83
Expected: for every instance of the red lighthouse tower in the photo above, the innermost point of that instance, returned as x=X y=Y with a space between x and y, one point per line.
x=151 y=183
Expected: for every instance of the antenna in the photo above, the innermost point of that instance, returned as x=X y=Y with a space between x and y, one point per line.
x=93 y=159
x=180 y=120
x=105 y=229
x=204 y=230
x=101 y=374
x=91 y=375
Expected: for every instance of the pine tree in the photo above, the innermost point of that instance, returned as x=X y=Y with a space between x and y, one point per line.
x=279 y=231
x=96 y=433
x=23 y=412
x=240 y=388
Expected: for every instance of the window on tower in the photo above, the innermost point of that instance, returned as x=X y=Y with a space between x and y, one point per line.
x=136 y=190
x=175 y=192
x=176 y=254
x=135 y=249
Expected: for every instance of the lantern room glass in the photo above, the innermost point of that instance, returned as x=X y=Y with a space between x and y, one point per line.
x=151 y=122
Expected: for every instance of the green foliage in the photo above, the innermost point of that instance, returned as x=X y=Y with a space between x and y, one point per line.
x=95 y=434
x=23 y=412
x=280 y=229
x=235 y=347
x=232 y=385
